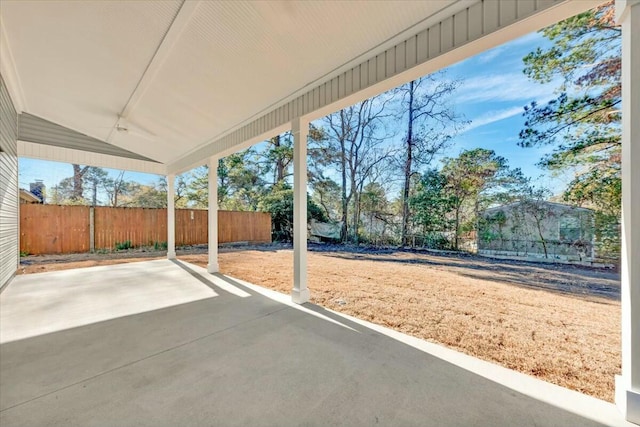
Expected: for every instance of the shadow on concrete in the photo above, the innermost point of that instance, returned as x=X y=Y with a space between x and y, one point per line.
x=200 y=277
x=247 y=362
x=235 y=283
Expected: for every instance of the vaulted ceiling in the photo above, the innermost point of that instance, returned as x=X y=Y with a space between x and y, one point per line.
x=163 y=78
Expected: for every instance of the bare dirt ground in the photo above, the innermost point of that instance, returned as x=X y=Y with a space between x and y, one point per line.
x=558 y=323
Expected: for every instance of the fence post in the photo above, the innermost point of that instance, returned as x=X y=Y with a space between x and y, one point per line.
x=92 y=230
x=171 y=217
x=212 y=216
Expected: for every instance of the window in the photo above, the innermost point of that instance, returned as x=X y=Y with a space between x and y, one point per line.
x=569 y=229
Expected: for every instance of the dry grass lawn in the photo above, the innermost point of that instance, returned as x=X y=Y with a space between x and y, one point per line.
x=570 y=340
x=560 y=324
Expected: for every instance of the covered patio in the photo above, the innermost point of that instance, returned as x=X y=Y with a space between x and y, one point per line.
x=162 y=87
x=166 y=343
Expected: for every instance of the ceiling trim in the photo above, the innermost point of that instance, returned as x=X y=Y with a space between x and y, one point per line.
x=175 y=30
x=9 y=72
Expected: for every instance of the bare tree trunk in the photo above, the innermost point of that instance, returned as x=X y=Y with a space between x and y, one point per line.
x=324 y=204
x=407 y=169
x=343 y=164
x=78 y=174
x=354 y=134
x=279 y=160
x=542 y=239
x=455 y=247
x=356 y=217
x=95 y=194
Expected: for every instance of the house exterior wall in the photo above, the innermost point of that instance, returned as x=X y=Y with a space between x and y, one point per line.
x=538 y=229
x=9 y=204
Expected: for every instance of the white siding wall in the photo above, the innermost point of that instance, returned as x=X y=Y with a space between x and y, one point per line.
x=9 y=214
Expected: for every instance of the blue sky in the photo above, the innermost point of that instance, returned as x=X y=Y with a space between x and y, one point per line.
x=54 y=172
x=492 y=96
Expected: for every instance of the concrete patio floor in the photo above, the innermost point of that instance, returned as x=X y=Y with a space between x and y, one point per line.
x=164 y=343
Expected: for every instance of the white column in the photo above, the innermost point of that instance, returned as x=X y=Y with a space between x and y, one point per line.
x=171 y=217
x=212 y=266
x=300 y=130
x=628 y=384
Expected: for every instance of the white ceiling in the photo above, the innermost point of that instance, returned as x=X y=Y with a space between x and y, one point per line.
x=185 y=74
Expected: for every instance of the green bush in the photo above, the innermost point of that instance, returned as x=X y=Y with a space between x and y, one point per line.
x=279 y=203
x=160 y=246
x=122 y=246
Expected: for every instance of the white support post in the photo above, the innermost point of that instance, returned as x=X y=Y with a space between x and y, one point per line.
x=171 y=217
x=300 y=130
x=628 y=384
x=212 y=266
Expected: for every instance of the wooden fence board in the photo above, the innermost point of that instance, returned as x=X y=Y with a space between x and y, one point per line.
x=244 y=226
x=192 y=227
x=140 y=226
x=52 y=229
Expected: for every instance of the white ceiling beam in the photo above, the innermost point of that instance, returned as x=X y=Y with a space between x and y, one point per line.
x=177 y=27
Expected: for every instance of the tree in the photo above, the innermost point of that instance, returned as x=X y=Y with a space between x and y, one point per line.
x=148 y=196
x=430 y=124
x=70 y=191
x=95 y=178
x=241 y=181
x=432 y=203
x=326 y=194
x=279 y=155
x=62 y=193
x=583 y=121
x=196 y=187
x=475 y=179
x=356 y=135
x=116 y=188
x=77 y=197
x=276 y=158
x=322 y=155
x=534 y=205
x=279 y=203
x=376 y=211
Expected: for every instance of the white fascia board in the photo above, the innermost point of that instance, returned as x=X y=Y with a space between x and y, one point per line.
x=480 y=25
x=68 y=155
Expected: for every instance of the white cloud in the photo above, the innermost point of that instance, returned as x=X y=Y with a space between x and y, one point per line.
x=504 y=49
x=491 y=54
x=503 y=87
x=492 y=117
x=527 y=39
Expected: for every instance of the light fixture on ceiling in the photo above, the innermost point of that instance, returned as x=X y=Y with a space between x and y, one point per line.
x=123 y=126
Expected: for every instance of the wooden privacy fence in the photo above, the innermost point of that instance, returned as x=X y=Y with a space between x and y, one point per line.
x=52 y=229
